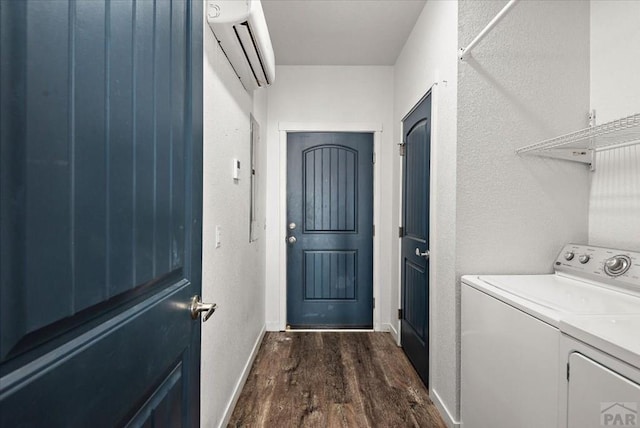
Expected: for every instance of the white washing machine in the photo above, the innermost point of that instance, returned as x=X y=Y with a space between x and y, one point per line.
x=513 y=353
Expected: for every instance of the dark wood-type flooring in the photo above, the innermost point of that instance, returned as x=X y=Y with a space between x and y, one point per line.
x=349 y=379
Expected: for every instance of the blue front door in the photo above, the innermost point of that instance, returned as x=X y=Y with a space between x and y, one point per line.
x=415 y=237
x=330 y=230
x=101 y=140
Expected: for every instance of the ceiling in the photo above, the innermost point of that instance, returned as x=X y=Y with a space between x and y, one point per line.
x=339 y=32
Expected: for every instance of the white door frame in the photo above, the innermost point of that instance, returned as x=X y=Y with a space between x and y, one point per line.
x=284 y=128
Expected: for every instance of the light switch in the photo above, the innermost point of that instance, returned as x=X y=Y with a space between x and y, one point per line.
x=236 y=169
x=218 y=236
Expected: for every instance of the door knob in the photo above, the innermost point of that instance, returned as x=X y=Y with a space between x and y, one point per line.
x=425 y=254
x=292 y=240
x=197 y=307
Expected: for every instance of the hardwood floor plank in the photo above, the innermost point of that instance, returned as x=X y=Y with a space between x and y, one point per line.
x=317 y=379
x=263 y=374
x=342 y=415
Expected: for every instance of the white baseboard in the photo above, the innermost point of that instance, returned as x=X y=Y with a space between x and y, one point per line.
x=330 y=330
x=444 y=412
x=243 y=378
x=391 y=329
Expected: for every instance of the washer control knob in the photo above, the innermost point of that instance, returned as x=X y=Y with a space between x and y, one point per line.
x=617 y=265
x=569 y=255
x=614 y=264
x=584 y=258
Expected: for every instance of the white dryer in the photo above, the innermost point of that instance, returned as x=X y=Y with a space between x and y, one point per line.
x=602 y=384
x=513 y=352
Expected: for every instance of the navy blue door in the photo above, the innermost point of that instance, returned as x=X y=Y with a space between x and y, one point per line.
x=101 y=140
x=330 y=218
x=415 y=237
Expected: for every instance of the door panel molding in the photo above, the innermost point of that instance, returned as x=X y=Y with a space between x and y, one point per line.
x=313 y=169
x=72 y=349
x=52 y=334
x=283 y=129
x=108 y=339
x=344 y=264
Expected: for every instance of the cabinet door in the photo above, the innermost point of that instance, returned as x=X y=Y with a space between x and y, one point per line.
x=599 y=396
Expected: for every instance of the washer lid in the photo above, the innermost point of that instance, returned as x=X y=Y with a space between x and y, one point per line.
x=616 y=335
x=553 y=297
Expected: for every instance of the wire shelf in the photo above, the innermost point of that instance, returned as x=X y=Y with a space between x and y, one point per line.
x=608 y=135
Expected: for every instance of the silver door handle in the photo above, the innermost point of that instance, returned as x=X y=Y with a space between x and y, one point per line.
x=198 y=307
x=425 y=254
x=292 y=240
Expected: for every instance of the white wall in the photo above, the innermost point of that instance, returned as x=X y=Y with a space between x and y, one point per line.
x=528 y=80
x=429 y=56
x=233 y=275
x=615 y=58
x=614 y=209
x=328 y=94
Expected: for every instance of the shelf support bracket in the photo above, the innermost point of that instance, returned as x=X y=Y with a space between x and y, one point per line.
x=586 y=156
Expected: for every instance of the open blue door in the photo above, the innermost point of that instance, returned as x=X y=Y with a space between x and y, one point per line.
x=414 y=327
x=330 y=230
x=101 y=194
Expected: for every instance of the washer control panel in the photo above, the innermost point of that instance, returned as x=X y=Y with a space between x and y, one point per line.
x=608 y=265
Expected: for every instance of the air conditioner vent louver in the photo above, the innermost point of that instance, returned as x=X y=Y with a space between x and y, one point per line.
x=245 y=38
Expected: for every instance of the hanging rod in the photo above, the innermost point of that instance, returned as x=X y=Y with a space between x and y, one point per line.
x=464 y=52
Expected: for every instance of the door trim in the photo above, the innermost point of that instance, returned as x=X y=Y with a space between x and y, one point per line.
x=283 y=129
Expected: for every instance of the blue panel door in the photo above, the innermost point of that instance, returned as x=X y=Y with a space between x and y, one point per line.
x=330 y=230
x=101 y=141
x=415 y=237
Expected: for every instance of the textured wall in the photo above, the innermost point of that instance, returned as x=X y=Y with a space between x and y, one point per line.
x=614 y=206
x=233 y=275
x=615 y=60
x=329 y=94
x=429 y=56
x=527 y=80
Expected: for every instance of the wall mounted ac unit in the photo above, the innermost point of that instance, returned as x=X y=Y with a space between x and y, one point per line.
x=240 y=28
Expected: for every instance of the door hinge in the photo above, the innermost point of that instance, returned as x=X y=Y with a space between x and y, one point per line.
x=400 y=232
x=399 y=314
x=374 y=303
x=374 y=230
x=401 y=148
x=374 y=157
x=568 y=371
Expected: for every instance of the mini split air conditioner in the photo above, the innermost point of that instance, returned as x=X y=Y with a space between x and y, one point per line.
x=240 y=28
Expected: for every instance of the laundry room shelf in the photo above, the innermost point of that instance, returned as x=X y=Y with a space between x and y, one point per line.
x=581 y=146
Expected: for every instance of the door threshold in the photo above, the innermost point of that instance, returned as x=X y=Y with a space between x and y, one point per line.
x=329 y=330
